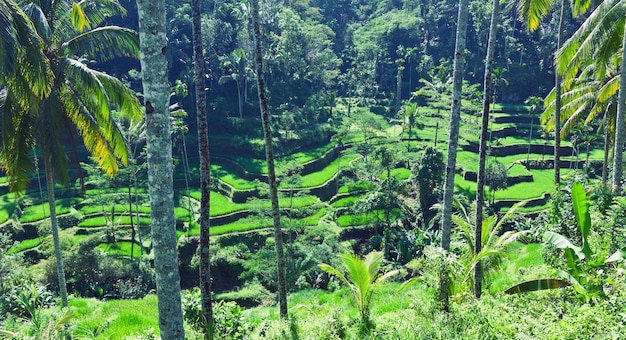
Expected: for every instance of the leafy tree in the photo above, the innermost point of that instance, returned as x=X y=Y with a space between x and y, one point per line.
x=237 y=64
x=496 y=176
x=152 y=31
x=361 y=276
x=80 y=100
x=427 y=176
x=271 y=172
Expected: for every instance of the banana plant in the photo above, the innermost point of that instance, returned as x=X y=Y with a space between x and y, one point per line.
x=582 y=262
x=362 y=278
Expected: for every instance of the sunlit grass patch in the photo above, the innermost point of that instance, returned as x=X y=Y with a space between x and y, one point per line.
x=120 y=248
x=39 y=212
x=116 y=319
x=25 y=245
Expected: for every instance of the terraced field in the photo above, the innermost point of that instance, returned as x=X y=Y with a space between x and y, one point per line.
x=326 y=185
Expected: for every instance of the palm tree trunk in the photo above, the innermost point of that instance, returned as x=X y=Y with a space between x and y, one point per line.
x=271 y=173
x=205 y=168
x=482 y=150
x=153 y=38
x=557 y=101
x=54 y=226
x=453 y=142
x=618 y=149
x=605 y=161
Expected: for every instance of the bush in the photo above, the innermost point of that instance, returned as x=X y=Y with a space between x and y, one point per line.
x=228 y=322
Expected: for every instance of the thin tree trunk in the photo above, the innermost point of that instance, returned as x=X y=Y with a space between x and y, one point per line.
x=557 y=102
x=132 y=224
x=482 y=150
x=153 y=44
x=205 y=169
x=605 y=161
x=271 y=173
x=54 y=226
x=453 y=142
x=618 y=149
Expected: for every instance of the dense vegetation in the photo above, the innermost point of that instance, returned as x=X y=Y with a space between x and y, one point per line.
x=359 y=94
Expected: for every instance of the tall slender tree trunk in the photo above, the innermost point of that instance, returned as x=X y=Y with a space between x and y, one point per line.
x=557 y=101
x=453 y=142
x=605 y=161
x=153 y=44
x=269 y=155
x=54 y=226
x=618 y=149
x=482 y=149
x=205 y=168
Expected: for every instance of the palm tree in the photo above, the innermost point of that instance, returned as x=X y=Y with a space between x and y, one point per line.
x=80 y=99
x=205 y=166
x=238 y=69
x=482 y=150
x=601 y=39
x=362 y=278
x=532 y=12
x=23 y=66
x=453 y=142
x=153 y=37
x=271 y=172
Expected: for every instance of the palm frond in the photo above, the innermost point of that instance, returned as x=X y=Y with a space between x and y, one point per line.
x=98 y=11
x=79 y=19
x=600 y=34
x=16 y=141
x=532 y=11
x=105 y=43
x=50 y=129
x=38 y=17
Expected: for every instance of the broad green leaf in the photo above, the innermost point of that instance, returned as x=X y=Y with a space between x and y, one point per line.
x=561 y=242
x=535 y=285
x=581 y=211
x=617 y=256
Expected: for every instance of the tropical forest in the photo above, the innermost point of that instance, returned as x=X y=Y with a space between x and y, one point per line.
x=312 y=169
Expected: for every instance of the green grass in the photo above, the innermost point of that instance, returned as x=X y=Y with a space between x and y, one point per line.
x=358 y=186
x=220 y=204
x=39 y=212
x=120 y=248
x=320 y=177
x=101 y=221
x=7 y=205
x=346 y=201
x=115 y=319
x=119 y=208
x=229 y=177
x=520 y=259
x=25 y=245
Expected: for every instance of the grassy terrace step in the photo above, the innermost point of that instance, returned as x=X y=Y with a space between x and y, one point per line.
x=39 y=212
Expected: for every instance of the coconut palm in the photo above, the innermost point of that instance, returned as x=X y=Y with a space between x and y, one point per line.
x=205 y=166
x=23 y=66
x=80 y=101
x=453 y=143
x=601 y=40
x=271 y=172
x=532 y=12
x=153 y=36
x=482 y=149
x=361 y=276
